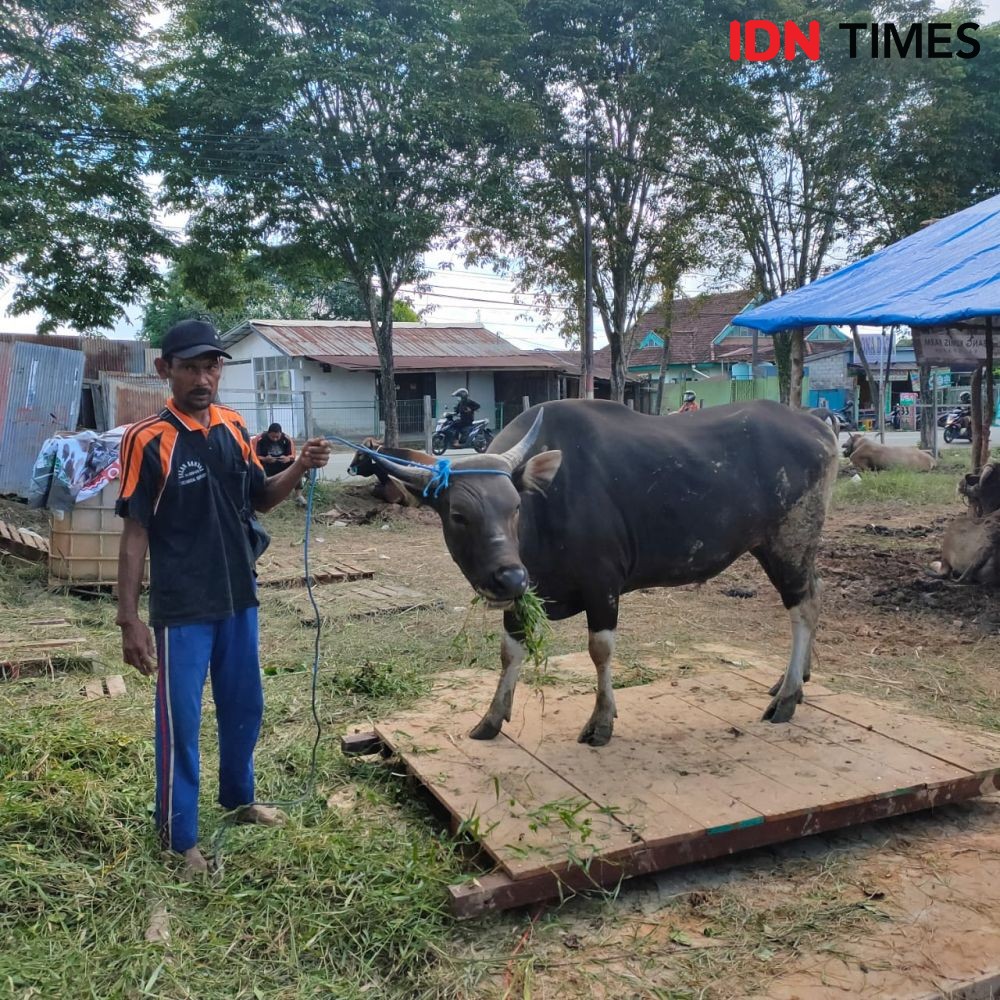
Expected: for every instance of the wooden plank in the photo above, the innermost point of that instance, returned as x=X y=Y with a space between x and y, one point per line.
x=526 y=817
x=765 y=777
x=21 y=543
x=867 y=753
x=352 y=600
x=986 y=987
x=92 y=690
x=691 y=774
x=975 y=752
x=875 y=762
x=361 y=744
x=115 y=685
x=497 y=891
x=285 y=568
x=630 y=776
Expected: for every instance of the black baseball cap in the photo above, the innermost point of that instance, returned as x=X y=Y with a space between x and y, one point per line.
x=190 y=339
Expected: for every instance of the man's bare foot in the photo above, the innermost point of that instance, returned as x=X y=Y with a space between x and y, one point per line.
x=195 y=865
x=264 y=815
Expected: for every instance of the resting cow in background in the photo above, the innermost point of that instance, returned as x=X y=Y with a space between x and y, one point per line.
x=982 y=490
x=596 y=500
x=870 y=456
x=364 y=465
x=970 y=548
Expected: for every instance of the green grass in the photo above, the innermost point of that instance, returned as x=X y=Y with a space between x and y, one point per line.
x=915 y=488
x=342 y=902
x=346 y=901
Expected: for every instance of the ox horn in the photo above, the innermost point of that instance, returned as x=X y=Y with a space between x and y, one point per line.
x=409 y=474
x=515 y=456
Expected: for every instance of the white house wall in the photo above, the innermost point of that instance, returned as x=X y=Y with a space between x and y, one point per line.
x=479 y=384
x=342 y=401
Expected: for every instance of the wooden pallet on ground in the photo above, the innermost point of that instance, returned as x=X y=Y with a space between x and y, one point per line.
x=284 y=568
x=21 y=543
x=690 y=774
x=357 y=600
x=41 y=647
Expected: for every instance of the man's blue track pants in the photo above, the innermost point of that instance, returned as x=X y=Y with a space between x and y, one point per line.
x=186 y=654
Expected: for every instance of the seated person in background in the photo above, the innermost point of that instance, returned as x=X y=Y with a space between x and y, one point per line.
x=276 y=452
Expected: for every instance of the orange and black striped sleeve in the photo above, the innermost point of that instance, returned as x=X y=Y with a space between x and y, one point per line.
x=249 y=446
x=144 y=467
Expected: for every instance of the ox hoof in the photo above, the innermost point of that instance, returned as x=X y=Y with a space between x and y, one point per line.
x=485 y=730
x=776 y=686
x=782 y=709
x=596 y=734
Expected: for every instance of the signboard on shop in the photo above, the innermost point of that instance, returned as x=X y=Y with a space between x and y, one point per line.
x=947 y=346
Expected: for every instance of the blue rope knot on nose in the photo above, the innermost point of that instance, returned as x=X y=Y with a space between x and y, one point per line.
x=441 y=477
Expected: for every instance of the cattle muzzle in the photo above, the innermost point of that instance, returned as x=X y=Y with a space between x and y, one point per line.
x=505 y=586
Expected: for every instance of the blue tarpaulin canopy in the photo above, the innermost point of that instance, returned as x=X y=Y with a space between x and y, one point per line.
x=946 y=273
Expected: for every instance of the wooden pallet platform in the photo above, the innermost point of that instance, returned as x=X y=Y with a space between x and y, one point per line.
x=40 y=646
x=357 y=600
x=21 y=543
x=283 y=568
x=690 y=774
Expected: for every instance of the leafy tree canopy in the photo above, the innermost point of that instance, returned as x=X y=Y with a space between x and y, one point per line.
x=74 y=213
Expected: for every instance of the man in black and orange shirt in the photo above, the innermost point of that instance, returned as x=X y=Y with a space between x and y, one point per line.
x=190 y=484
x=276 y=451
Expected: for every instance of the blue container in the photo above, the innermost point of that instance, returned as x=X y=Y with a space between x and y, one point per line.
x=743 y=371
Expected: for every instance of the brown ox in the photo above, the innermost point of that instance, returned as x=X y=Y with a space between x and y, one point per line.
x=385 y=489
x=970 y=550
x=870 y=456
x=982 y=490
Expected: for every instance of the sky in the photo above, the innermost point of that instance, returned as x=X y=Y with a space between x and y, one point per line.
x=452 y=293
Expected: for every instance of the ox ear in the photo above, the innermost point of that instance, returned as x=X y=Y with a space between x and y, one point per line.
x=537 y=473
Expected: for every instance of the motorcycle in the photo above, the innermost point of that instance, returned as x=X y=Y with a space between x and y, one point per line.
x=958 y=426
x=447 y=434
x=845 y=415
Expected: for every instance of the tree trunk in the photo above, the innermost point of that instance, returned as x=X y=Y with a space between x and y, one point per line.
x=618 y=370
x=664 y=331
x=927 y=427
x=382 y=332
x=873 y=386
x=796 y=368
x=976 y=417
x=990 y=408
x=783 y=360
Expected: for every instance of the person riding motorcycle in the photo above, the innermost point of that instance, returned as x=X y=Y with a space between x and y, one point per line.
x=464 y=410
x=689 y=403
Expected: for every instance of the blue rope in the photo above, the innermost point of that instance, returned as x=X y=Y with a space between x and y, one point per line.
x=309 y=789
x=441 y=471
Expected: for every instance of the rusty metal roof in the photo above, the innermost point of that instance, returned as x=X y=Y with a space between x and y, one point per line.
x=100 y=354
x=528 y=361
x=353 y=339
x=415 y=347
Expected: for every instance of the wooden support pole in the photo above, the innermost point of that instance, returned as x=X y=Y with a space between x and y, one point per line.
x=428 y=423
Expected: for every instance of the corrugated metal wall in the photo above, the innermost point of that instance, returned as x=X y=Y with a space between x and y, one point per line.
x=128 y=398
x=102 y=355
x=42 y=397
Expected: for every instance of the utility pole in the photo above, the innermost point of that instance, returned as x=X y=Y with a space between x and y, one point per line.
x=587 y=366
